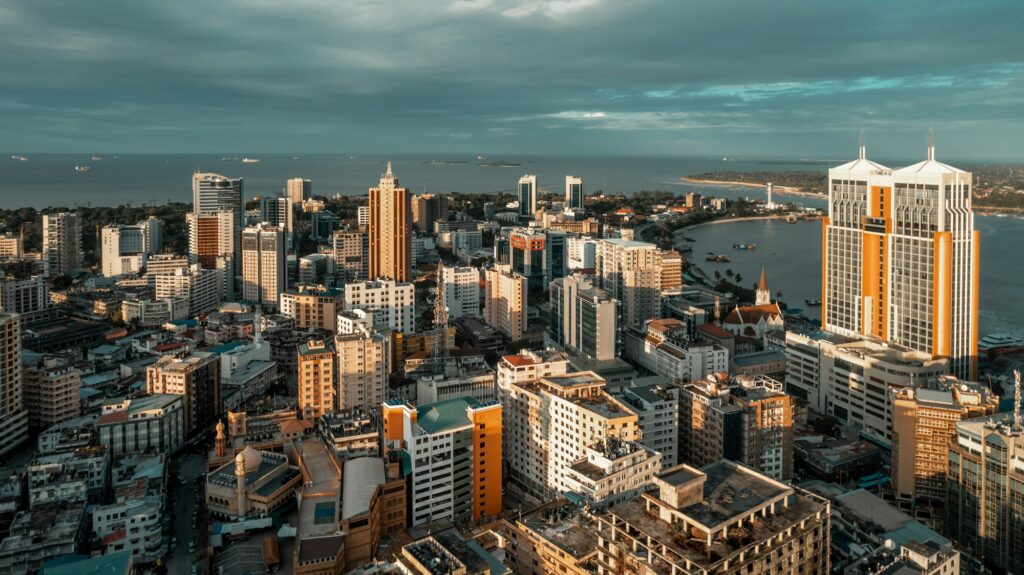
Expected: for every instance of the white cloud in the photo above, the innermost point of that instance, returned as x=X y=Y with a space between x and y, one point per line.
x=467 y=6
x=553 y=9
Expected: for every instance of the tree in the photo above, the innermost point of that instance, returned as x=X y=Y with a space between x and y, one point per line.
x=739 y=278
x=718 y=275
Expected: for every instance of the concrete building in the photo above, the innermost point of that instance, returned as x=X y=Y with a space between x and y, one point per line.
x=314 y=268
x=581 y=253
x=657 y=407
x=196 y=377
x=749 y=420
x=351 y=255
x=264 y=273
x=629 y=272
x=299 y=190
x=390 y=230
x=154 y=312
x=161 y=264
x=134 y=525
x=68 y=477
x=363 y=366
x=316 y=386
x=11 y=246
x=213 y=194
x=454 y=452
x=539 y=255
x=883 y=222
x=427 y=209
x=279 y=211
x=123 y=249
x=505 y=301
x=393 y=303
x=24 y=296
x=213 y=242
x=62 y=244
x=372 y=506
x=140 y=424
x=204 y=289
x=670 y=270
x=663 y=348
x=312 y=306
x=459 y=290
x=526 y=194
x=39 y=535
x=50 y=390
x=924 y=419
x=573 y=193
x=13 y=416
x=852 y=379
x=254 y=483
x=584 y=320
x=322 y=226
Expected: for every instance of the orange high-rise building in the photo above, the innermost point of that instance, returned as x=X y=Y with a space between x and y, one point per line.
x=390 y=230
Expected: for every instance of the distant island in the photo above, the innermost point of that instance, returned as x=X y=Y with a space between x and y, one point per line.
x=997 y=189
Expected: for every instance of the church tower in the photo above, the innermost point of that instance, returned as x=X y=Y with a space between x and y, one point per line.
x=763 y=297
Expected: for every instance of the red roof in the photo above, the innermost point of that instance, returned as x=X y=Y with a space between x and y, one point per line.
x=518 y=360
x=752 y=314
x=114 y=417
x=715 y=331
x=115 y=536
x=169 y=346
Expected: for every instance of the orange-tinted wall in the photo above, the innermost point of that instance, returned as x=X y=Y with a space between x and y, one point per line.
x=942 y=293
x=487 y=500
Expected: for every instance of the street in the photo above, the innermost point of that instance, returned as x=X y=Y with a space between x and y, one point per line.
x=184 y=499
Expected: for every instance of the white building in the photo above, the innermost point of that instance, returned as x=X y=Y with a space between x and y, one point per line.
x=581 y=253
x=152 y=312
x=505 y=301
x=459 y=290
x=526 y=193
x=393 y=303
x=131 y=524
x=13 y=417
x=150 y=422
x=573 y=193
x=663 y=349
x=363 y=216
x=355 y=320
x=658 y=409
x=24 y=296
x=363 y=366
x=203 y=288
x=264 y=272
x=62 y=244
x=630 y=272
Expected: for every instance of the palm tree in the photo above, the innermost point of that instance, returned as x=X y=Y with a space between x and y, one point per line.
x=728 y=272
x=718 y=275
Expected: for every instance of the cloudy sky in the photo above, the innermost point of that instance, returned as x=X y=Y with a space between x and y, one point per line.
x=667 y=77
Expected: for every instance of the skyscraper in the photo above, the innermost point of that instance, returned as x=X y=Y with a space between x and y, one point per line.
x=527 y=195
x=279 y=211
x=299 y=190
x=351 y=255
x=427 y=209
x=264 y=275
x=505 y=301
x=316 y=387
x=62 y=244
x=390 y=230
x=211 y=243
x=573 y=192
x=629 y=272
x=124 y=249
x=13 y=417
x=214 y=193
x=900 y=258
x=584 y=319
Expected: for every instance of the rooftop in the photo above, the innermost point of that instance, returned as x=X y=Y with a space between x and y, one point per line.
x=445 y=415
x=362 y=476
x=565 y=525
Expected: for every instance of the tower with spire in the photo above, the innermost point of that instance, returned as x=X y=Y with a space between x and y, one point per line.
x=763 y=296
x=390 y=230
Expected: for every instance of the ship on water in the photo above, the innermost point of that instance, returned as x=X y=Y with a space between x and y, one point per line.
x=19 y=158
x=250 y=160
x=82 y=168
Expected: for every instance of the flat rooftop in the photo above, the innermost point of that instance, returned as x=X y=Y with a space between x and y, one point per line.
x=563 y=524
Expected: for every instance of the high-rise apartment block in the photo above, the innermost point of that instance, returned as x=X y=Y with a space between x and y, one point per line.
x=23 y=296
x=123 y=250
x=213 y=194
x=459 y=290
x=11 y=246
x=748 y=419
x=393 y=303
x=351 y=255
x=213 y=240
x=13 y=417
x=573 y=193
x=363 y=366
x=196 y=377
x=924 y=419
x=629 y=272
x=50 y=390
x=505 y=301
x=299 y=190
x=427 y=209
x=312 y=306
x=526 y=193
x=664 y=347
x=62 y=244
x=657 y=407
x=264 y=272
x=203 y=288
x=390 y=230
x=900 y=258
x=316 y=388
x=454 y=452
x=584 y=319
x=280 y=211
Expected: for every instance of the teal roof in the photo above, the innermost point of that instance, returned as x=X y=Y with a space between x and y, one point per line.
x=305 y=349
x=226 y=347
x=112 y=564
x=444 y=415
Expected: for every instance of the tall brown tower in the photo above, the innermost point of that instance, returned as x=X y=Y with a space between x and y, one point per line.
x=390 y=230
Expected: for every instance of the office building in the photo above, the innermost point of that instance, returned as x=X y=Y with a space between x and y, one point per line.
x=505 y=301
x=390 y=230
x=657 y=409
x=312 y=306
x=11 y=246
x=984 y=487
x=852 y=379
x=213 y=242
x=123 y=250
x=363 y=366
x=584 y=320
x=142 y=424
x=214 y=193
x=351 y=255
x=573 y=193
x=299 y=190
x=316 y=389
x=153 y=230
x=204 y=289
x=264 y=274
x=454 y=452
x=746 y=419
x=670 y=270
x=196 y=377
x=24 y=296
x=314 y=268
x=62 y=244
x=321 y=226
x=664 y=347
x=393 y=303
x=459 y=290
x=901 y=258
x=280 y=212
x=924 y=419
x=526 y=194
x=629 y=272
x=151 y=312
x=539 y=255
x=568 y=435
x=427 y=209
x=13 y=417
x=50 y=390
x=165 y=264
x=580 y=253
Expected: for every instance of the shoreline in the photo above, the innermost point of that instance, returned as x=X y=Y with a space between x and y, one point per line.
x=728 y=221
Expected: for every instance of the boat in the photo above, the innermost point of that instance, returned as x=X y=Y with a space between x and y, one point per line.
x=744 y=246
x=82 y=168
x=813 y=302
x=250 y=160
x=96 y=158
x=19 y=158
x=717 y=258
x=481 y=157
x=994 y=341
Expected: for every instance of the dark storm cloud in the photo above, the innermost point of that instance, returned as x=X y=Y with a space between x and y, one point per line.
x=552 y=76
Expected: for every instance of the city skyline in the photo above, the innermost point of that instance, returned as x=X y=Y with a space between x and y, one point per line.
x=492 y=77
